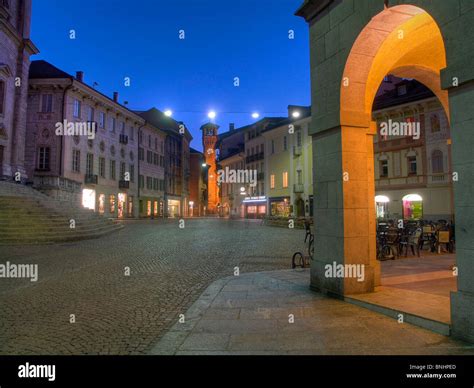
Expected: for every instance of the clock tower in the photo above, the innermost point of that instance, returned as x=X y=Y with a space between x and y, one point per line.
x=209 y=141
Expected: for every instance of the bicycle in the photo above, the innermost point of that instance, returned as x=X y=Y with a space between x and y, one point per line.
x=299 y=259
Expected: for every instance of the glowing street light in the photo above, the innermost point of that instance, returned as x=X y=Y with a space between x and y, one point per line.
x=168 y=113
x=212 y=115
x=255 y=115
x=296 y=114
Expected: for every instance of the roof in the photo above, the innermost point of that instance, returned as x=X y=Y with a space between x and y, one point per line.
x=194 y=151
x=415 y=91
x=159 y=120
x=42 y=69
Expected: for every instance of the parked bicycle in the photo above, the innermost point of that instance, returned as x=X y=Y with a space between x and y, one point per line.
x=303 y=259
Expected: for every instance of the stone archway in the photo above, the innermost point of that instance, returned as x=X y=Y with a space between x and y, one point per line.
x=354 y=44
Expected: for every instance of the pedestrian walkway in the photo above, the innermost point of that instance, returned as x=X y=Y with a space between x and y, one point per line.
x=420 y=288
x=276 y=313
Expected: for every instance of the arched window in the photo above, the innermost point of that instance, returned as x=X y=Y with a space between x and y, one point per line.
x=437 y=162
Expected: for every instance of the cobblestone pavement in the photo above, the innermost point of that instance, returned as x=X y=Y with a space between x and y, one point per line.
x=118 y=314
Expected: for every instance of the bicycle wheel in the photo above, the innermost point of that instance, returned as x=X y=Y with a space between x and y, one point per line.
x=297 y=260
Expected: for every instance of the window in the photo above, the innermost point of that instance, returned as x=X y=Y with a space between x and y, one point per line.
x=90 y=164
x=112 y=170
x=156 y=159
x=149 y=141
x=149 y=157
x=272 y=181
x=412 y=168
x=102 y=120
x=43 y=158
x=435 y=123
x=141 y=181
x=383 y=168
x=132 y=173
x=298 y=138
x=91 y=114
x=285 y=179
x=156 y=144
x=273 y=146
x=299 y=177
x=46 y=103
x=141 y=154
x=437 y=162
x=122 y=128
x=102 y=167
x=402 y=90
x=122 y=170
x=76 y=161
x=112 y=124
x=155 y=183
x=2 y=97
x=149 y=183
x=77 y=109
x=132 y=133
x=285 y=143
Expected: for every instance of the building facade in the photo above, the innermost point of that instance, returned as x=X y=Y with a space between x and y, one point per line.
x=16 y=49
x=412 y=171
x=81 y=146
x=197 y=186
x=151 y=171
x=176 y=162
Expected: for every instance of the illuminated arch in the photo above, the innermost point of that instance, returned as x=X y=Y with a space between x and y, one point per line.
x=404 y=41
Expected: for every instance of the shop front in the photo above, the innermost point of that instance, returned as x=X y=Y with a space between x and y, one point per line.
x=174 y=206
x=412 y=207
x=255 y=207
x=280 y=207
x=381 y=206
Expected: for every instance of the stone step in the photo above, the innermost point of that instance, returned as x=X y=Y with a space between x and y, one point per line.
x=58 y=231
x=417 y=320
x=34 y=240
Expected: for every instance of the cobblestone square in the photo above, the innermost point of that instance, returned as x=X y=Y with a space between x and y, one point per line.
x=118 y=314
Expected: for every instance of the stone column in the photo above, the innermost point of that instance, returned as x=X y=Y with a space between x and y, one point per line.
x=344 y=209
x=462 y=119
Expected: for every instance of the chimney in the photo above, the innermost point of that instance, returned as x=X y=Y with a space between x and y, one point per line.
x=116 y=97
x=231 y=127
x=80 y=76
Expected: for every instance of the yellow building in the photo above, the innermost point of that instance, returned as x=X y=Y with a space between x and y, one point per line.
x=288 y=165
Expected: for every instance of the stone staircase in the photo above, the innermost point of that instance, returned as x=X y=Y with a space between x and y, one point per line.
x=30 y=217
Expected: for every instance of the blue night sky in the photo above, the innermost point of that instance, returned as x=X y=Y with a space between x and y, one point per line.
x=224 y=39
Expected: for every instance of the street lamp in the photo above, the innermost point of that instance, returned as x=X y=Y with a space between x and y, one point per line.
x=212 y=115
x=255 y=115
x=296 y=114
x=168 y=113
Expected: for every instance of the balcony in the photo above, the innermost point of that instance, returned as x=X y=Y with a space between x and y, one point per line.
x=259 y=156
x=124 y=184
x=298 y=189
x=91 y=179
x=260 y=176
x=123 y=139
x=297 y=151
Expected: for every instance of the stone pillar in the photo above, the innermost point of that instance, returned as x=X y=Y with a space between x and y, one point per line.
x=462 y=301
x=344 y=209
